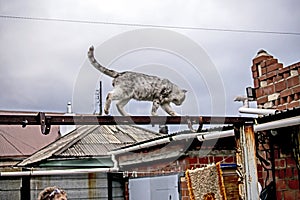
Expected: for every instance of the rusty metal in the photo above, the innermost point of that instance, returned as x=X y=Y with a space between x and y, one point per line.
x=118 y=120
x=248 y=148
x=45 y=125
x=46 y=120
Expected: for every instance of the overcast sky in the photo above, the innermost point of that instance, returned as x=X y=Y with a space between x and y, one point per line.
x=43 y=61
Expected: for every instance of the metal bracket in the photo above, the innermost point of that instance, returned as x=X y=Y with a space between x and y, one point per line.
x=190 y=125
x=45 y=123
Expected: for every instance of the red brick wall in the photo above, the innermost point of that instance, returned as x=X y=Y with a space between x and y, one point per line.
x=276 y=86
x=187 y=162
x=286 y=175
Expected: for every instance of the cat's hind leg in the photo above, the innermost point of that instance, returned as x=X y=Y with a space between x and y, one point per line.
x=168 y=109
x=120 y=106
x=155 y=106
x=109 y=98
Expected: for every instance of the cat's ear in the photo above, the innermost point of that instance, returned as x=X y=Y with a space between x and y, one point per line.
x=185 y=91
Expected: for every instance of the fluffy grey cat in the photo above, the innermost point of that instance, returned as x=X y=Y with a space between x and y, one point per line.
x=132 y=85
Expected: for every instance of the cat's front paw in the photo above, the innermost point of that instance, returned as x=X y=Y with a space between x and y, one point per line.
x=106 y=111
x=153 y=113
x=173 y=113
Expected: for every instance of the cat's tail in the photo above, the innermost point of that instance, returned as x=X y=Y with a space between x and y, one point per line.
x=98 y=66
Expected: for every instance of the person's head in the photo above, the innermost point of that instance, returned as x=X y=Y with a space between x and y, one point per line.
x=52 y=193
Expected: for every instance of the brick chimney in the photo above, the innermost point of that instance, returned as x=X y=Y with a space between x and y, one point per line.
x=276 y=86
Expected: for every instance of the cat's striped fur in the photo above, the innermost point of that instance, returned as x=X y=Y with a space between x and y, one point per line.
x=142 y=87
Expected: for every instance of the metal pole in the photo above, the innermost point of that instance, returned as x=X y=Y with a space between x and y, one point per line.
x=100 y=98
x=249 y=162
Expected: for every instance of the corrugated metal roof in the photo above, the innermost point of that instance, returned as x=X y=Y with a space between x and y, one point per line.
x=91 y=141
x=281 y=114
x=16 y=141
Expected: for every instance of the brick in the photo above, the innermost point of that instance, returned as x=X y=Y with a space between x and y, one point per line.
x=281 y=185
x=296 y=89
x=270 y=89
x=262 y=77
x=294 y=72
x=286 y=93
x=269 y=81
x=193 y=160
x=284 y=70
x=292 y=81
x=289 y=172
x=262 y=100
x=293 y=104
x=280 y=163
x=279 y=195
x=218 y=159
x=259 y=59
x=271 y=75
x=254 y=68
x=286 y=75
x=280 y=86
x=280 y=173
x=263 y=71
x=276 y=153
x=230 y=159
x=279 y=77
x=296 y=97
x=256 y=83
x=289 y=99
x=271 y=61
x=255 y=74
x=289 y=195
x=269 y=104
x=263 y=64
x=274 y=67
x=273 y=97
x=295 y=66
x=210 y=159
x=203 y=160
x=259 y=92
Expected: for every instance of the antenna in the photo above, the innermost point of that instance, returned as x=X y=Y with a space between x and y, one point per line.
x=98 y=99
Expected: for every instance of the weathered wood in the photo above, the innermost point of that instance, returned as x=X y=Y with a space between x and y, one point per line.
x=120 y=120
x=247 y=143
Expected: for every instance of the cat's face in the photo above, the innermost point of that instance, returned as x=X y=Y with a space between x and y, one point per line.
x=179 y=97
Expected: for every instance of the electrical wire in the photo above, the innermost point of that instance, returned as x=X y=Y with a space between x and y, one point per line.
x=148 y=25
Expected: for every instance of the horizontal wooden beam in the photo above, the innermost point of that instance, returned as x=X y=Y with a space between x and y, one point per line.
x=42 y=118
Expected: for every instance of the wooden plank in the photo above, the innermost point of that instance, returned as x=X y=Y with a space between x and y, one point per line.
x=249 y=162
x=117 y=120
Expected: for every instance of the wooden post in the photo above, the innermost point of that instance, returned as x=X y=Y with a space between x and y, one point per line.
x=247 y=144
x=25 y=188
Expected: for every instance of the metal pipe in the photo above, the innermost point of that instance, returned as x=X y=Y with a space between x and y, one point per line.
x=216 y=135
x=292 y=121
x=205 y=135
x=58 y=172
x=140 y=146
x=257 y=111
x=116 y=165
x=118 y=120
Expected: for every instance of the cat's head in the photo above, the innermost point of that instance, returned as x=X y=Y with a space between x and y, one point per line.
x=178 y=97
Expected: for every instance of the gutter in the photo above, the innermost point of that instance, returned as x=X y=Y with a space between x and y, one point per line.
x=292 y=121
x=201 y=137
x=257 y=111
x=63 y=171
x=58 y=172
